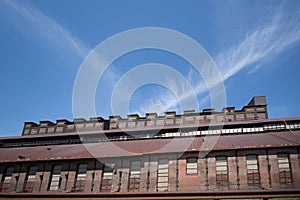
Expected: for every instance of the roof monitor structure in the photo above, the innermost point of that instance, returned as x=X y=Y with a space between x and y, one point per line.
x=258 y=101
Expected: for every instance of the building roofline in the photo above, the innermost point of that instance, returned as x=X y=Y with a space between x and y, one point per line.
x=151 y=146
x=157 y=128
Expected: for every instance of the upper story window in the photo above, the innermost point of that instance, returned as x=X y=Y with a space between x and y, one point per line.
x=6 y=180
x=222 y=172
x=192 y=165
x=293 y=125
x=134 y=178
x=55 y=178
x=80 y=177
x=253 y=178
x=163 y=175
x=30 y=179
x=274 y=126
x=285 y=176
x=107 y=177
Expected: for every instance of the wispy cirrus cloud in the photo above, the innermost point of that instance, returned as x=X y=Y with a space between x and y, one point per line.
x=260 y=46
x=163 y=100
x=44 y=27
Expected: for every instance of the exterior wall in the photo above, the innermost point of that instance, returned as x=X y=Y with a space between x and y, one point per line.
x=262 y=167
x=295 y=166
x=179 y=181
x=211 y=166
x=192 y=181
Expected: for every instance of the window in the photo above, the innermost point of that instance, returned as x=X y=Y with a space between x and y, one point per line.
x=107 y=178
x=178 y=121
x=159 y=122
x=199 y=119
x=192 y=165
x=131 y=124
x=240 y=117
x=285 y=177
x=113 y=125
x=150 y=123
x=134 y=178
x=220 y=118
x=274 y=127
x=59 y=129
x=163 y=175
x=43 y=130
x=122 y=125
x=189 y=120
x=30 y=179
x=80 y=177
x=5 y=186
x=140 y=123
x=253 y=178
x=55 y=178
x=169 y=121
x=210 y=118
x=222 y=173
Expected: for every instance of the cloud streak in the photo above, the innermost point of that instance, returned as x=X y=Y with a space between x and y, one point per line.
x=163 y=100
x=46 y=28
x=259 y=46
x=262 y=44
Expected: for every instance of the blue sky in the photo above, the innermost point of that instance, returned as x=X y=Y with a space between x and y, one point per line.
x=255 y=45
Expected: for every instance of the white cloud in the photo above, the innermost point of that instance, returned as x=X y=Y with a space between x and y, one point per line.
x=259 y=46
x=161 y=100
x=262 y=44
x=46 y=28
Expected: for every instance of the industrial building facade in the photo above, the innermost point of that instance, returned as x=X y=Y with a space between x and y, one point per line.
x=210 y=155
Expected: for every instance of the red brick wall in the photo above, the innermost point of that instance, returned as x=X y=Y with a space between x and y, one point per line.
x=178 y=179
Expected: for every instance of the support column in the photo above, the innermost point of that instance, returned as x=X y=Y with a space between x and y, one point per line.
x=22 y=177
x=211 y=164
x=232 y=172
x=263 y=171
x=172 y=175
x=295 y=169
x=153 y=175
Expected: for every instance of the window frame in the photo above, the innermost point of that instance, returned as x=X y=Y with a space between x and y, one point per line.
x=287 y=173
x=107 y=177
x=134 y=179
x=79 y=183
x=252 y=173
x=56 y=175
x=222 y=183
x=188 y=161
x=162 y=173
x=30 y=179
x=7 y=179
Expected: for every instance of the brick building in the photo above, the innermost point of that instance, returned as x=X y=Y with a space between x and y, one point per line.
x=225 y=154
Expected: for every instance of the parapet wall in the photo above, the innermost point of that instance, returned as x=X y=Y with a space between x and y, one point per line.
x=255 y=110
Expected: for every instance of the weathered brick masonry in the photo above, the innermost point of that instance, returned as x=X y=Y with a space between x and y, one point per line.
x=226 y=154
